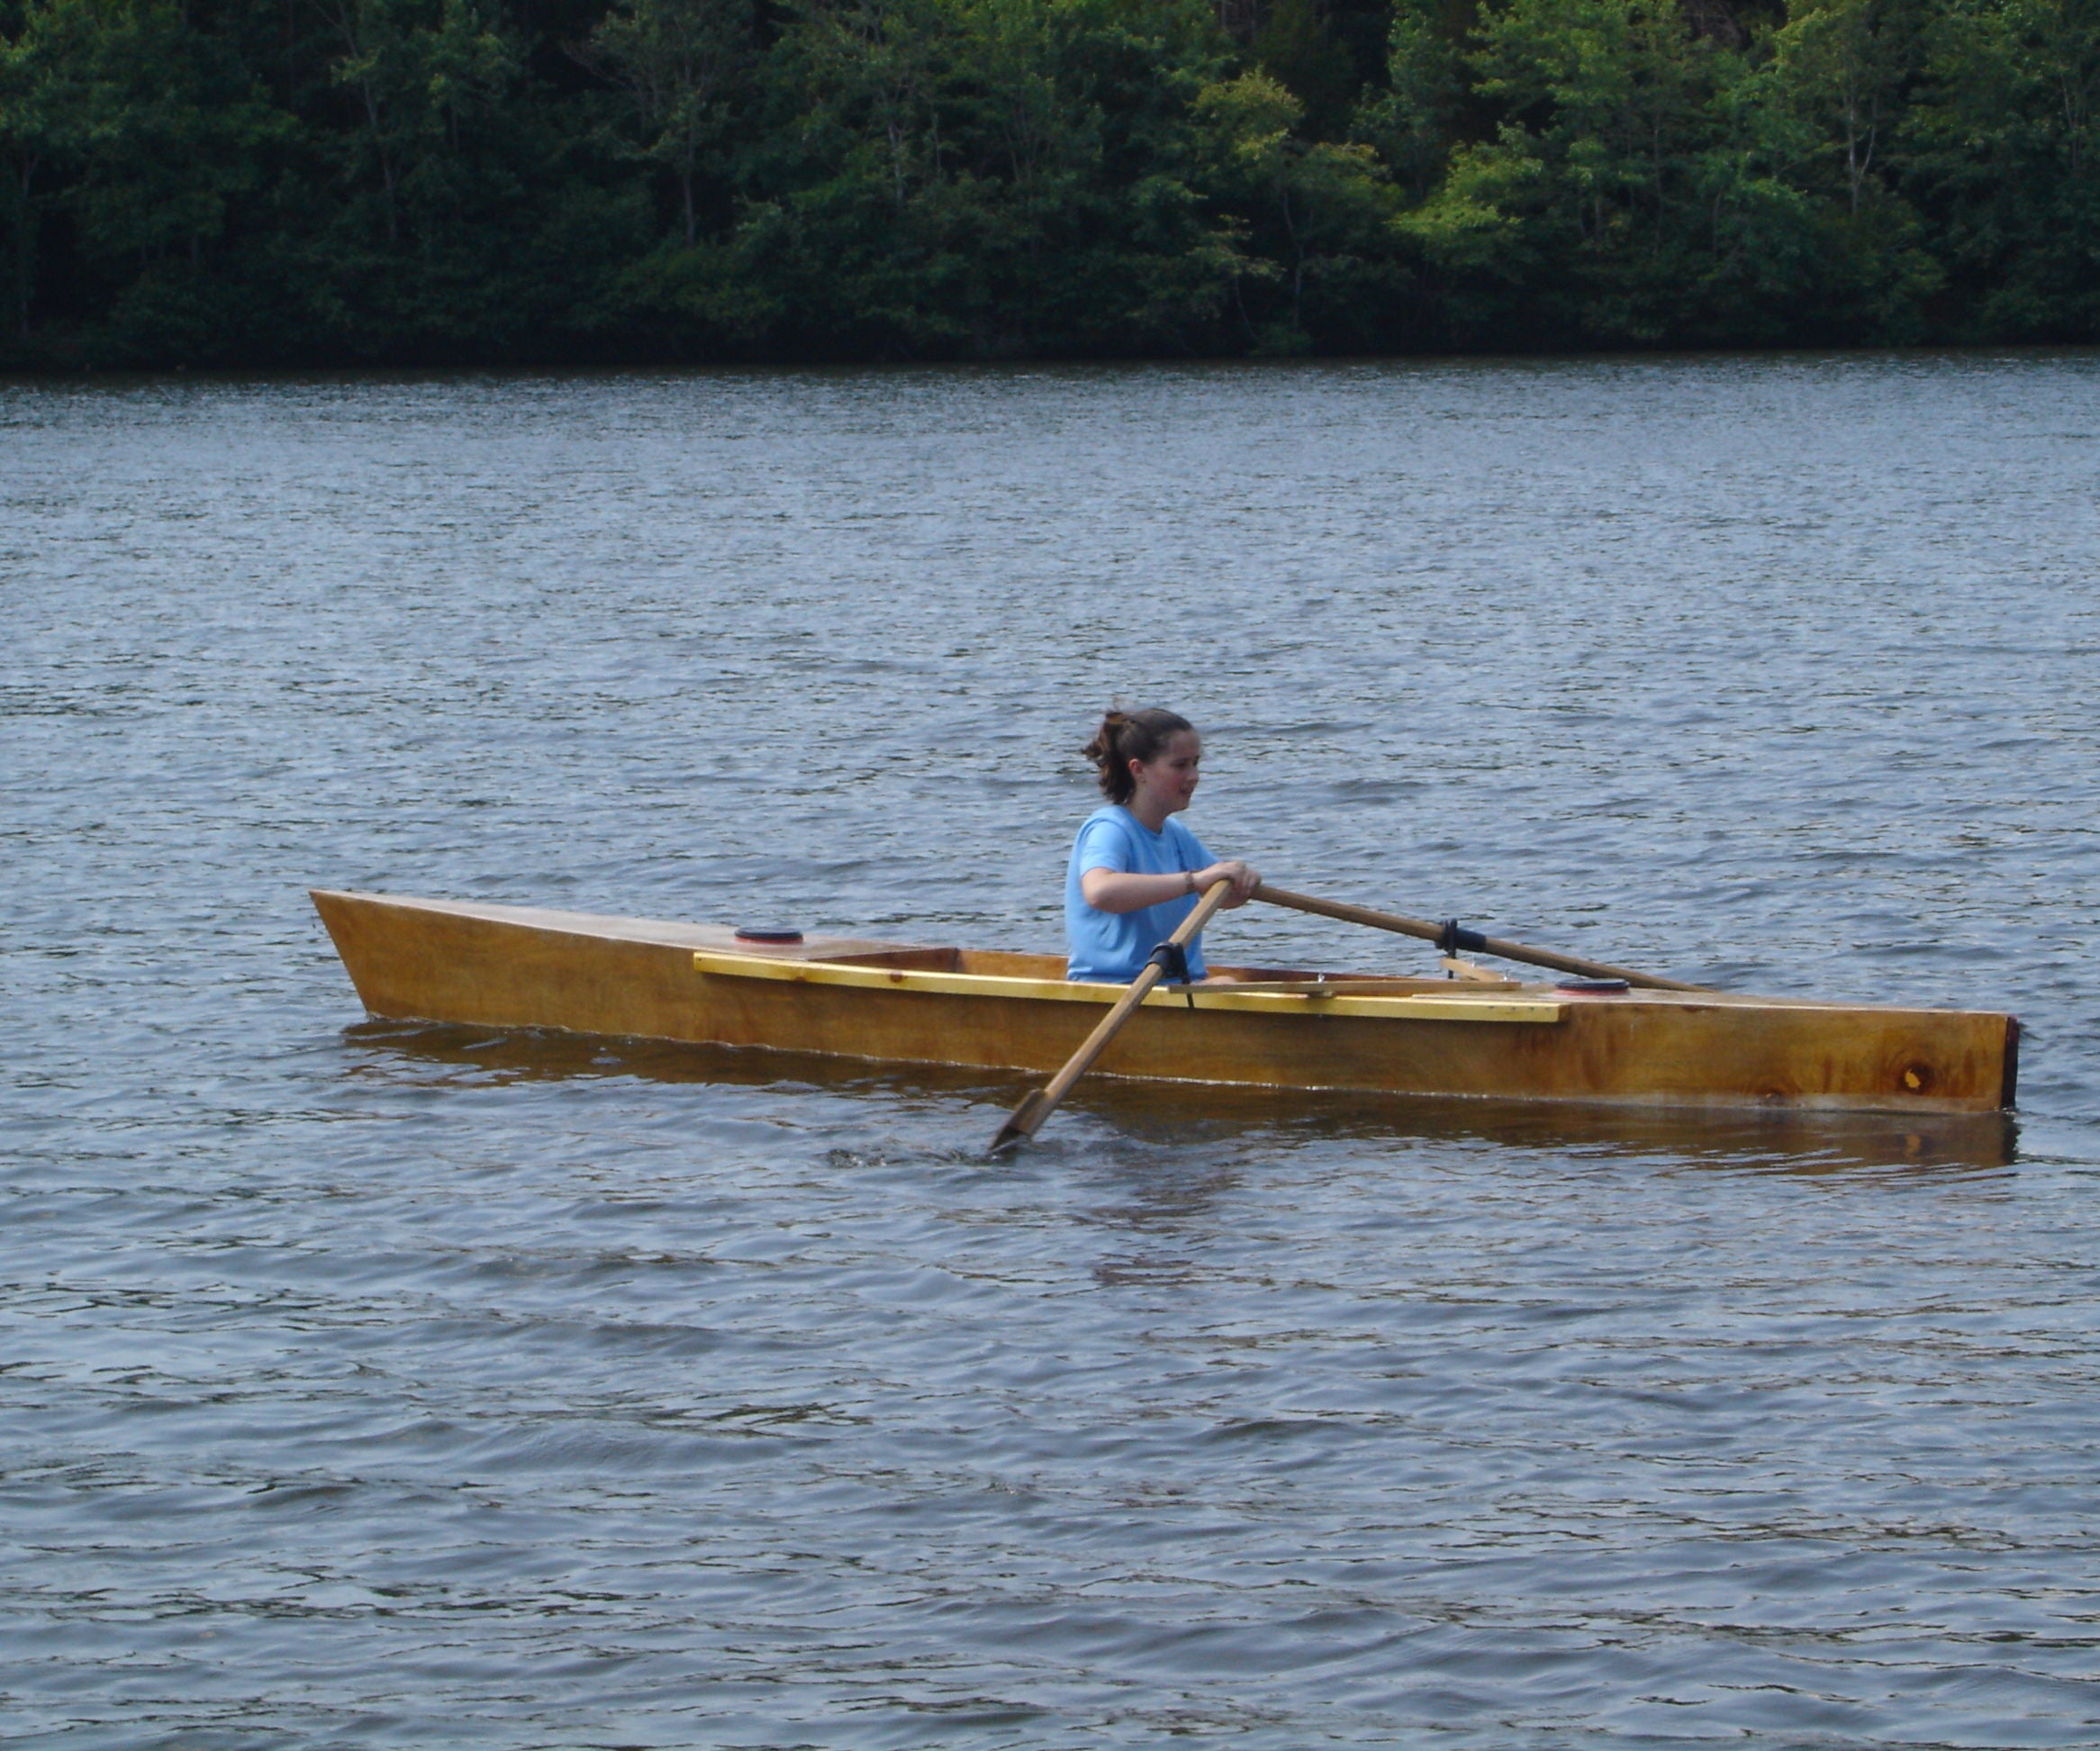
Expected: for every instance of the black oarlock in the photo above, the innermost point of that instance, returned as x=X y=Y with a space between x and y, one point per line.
x=1173 y=961
x=1454 y=936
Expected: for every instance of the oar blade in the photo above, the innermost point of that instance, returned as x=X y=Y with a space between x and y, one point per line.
x=1023 y=1122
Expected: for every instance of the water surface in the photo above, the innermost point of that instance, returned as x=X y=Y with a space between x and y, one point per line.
x=362 y=1384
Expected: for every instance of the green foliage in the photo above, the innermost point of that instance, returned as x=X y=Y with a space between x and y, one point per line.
x=307 y=181
x=2004 y=157
x=677 y=63
x=1313 y=213
x=978 y=177
x=1582 y=216
x=1296 y=49
x=1413 y=124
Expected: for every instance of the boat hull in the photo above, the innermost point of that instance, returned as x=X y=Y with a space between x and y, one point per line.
x=519 y=967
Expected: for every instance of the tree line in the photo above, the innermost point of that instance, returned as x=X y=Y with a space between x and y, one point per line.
x=328 y=182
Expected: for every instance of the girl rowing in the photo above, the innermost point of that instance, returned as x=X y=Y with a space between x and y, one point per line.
x=1136 y=871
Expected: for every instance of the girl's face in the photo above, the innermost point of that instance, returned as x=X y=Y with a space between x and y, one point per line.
x=1165 y=782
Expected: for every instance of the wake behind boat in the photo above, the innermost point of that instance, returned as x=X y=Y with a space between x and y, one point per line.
x=512 y=966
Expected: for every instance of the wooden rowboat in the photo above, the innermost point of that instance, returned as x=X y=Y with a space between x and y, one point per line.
x=513 y=967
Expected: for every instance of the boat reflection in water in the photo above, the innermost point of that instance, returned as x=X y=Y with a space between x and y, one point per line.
x=1163 y=1113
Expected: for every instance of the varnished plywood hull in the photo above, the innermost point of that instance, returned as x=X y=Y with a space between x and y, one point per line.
x=514 y=968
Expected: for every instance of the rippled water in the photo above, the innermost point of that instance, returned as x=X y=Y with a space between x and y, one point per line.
x=368 y=1385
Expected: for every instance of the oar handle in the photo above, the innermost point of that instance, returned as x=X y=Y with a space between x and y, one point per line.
x=1428 y=932
x=1041 y=1102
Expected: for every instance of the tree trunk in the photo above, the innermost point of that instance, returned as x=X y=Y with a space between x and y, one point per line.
x=25 y=245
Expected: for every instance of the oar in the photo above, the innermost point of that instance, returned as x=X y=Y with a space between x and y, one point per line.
x=1451 y=938
x=1041 y=1102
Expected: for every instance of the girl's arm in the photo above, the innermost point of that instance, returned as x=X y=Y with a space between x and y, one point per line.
x=1125 y=890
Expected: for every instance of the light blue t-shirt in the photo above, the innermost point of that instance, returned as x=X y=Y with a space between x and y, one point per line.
x=1113 y=946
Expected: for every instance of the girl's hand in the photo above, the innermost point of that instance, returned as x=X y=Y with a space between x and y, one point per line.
x=1243 y=877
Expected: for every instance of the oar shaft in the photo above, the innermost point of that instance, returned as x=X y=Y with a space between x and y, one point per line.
x=1028 y=1117
x=1428 y=932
